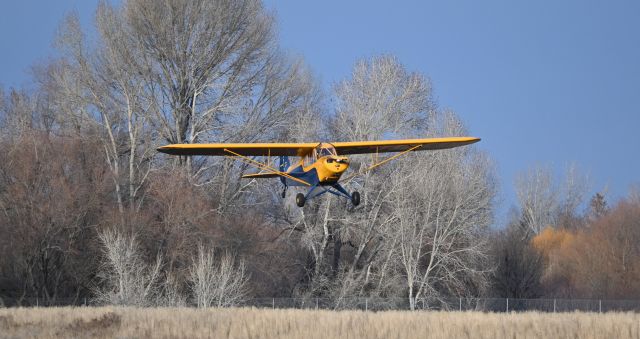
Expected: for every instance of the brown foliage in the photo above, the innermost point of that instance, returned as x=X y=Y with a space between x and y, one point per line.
x=55 y=192
x=608 y=261
x=51 y=194
x=557 y=247
x=601 y=260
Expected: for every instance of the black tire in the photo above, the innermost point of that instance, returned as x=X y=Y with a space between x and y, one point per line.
x=284 y=193
x=300 y=199
x=355 y=198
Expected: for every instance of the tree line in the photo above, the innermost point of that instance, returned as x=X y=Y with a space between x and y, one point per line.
x=89 y=209
x=559 y=244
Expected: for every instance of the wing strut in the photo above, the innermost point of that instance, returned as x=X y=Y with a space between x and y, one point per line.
x=381 y=163
x=265 y=167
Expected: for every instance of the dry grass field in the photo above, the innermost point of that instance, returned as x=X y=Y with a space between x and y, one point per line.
x=110 y=322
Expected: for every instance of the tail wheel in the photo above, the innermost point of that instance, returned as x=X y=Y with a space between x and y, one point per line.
x=355 y=198
x=300 y=200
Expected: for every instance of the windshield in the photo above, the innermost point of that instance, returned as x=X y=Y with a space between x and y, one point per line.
x=325 y=149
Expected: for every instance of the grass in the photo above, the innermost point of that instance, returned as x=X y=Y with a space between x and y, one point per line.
x=108 y=322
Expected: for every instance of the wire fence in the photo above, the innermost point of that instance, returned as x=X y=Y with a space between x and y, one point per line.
x=452 y=304
x=386 y=304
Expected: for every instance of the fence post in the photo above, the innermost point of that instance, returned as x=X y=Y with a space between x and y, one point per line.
x=599 y=305
x=85 y=301
x=316 y=303
x=554 y=305
x=273 y=303
x=507 y=305
x=460 y=305
x=366 y=304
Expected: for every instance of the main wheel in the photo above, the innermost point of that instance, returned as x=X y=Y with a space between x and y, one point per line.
x=355 y=198
x=300 y=199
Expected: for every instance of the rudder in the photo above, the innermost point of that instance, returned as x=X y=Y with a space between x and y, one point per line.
x=284 y=165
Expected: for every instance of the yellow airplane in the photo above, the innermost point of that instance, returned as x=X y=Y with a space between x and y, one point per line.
x=321 y=164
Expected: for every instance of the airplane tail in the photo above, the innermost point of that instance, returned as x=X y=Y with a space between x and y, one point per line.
x=284 y=165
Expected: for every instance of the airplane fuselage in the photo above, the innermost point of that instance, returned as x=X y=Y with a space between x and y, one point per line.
x=326 y=170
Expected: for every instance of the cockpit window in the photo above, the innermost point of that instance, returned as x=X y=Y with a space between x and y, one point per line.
x=325 y=149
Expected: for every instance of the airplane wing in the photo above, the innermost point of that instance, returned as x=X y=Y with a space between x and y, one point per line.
x=383 y=146
x=301 y=149
x=247 y=149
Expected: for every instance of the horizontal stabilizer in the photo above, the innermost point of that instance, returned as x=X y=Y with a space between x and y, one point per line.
x=261 y=175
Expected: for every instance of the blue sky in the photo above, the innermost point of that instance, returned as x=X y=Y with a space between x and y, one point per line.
x=541 y=82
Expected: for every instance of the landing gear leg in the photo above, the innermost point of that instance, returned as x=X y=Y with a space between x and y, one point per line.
x=284 y=191
x=354 y=197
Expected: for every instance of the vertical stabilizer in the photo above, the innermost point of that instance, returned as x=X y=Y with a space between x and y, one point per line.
x=284 y=165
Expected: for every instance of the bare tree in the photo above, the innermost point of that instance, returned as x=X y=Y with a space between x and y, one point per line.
x=548 y=201
x=127 y=278
x=19 y=113
x=101 y=85
x=357 y=251
x=573 y=190
x=538 y=199
x=180 y=72
x=287 y=107
x=381 y=99
x=200 y=59
x=443 y=212
x=217 y=280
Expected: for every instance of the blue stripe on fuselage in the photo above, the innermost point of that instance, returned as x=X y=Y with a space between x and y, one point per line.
x=311 y=176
